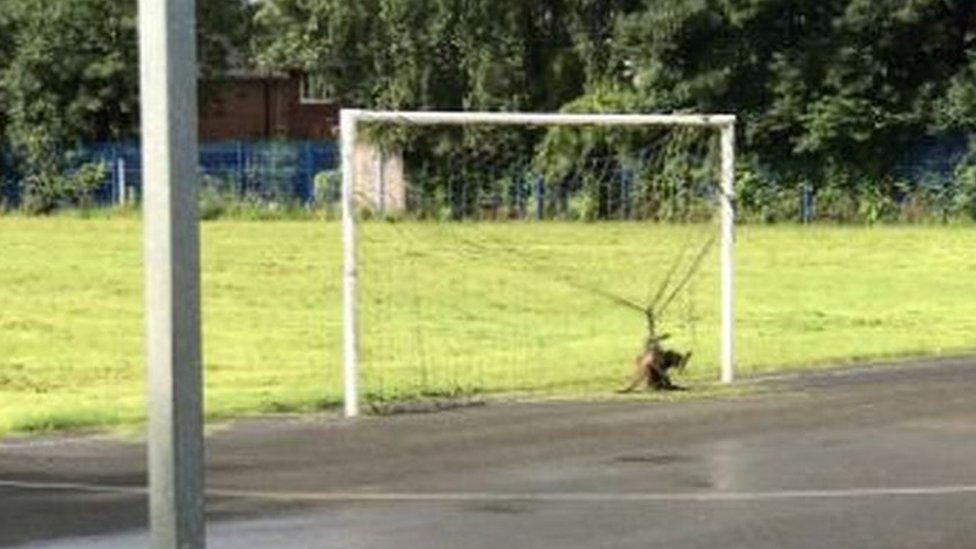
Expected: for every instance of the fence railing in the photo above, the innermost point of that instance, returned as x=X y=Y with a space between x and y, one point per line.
x=285 y=172
x=281 y=171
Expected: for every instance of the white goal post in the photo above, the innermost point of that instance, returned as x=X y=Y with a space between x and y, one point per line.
x=350 y=119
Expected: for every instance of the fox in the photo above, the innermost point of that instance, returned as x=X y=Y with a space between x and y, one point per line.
x=652 y=366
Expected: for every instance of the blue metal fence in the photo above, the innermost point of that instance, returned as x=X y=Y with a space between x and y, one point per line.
x=284 y=172
x=273 y=171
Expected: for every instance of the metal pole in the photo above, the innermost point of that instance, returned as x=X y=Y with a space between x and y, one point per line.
x=540 y=119
x=350 y=320
x=241 y=168
x=540 y=196
x=727 y=255
x=169 y=139
x=120 y=179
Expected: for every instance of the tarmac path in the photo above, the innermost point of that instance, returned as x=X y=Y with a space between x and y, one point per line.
x=874 y=457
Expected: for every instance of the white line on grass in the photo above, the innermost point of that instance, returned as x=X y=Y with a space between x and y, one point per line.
x=943 y=490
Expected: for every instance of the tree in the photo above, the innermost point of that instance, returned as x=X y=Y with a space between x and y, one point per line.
x=68 y=77
x=491 y=54
x=822 y=87
x=827 y=92
x=69 y=74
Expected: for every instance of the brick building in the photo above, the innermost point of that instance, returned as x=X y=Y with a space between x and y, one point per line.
x=248 y=105
x=258 y=105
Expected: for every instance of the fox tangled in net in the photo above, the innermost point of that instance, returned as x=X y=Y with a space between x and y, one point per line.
x=653 y=364
x=655 y=361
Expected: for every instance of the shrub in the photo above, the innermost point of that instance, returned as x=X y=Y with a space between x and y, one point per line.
x=48 y=190
x=964 y=201
x=762 y=199
x=875 y=202
x=328 y=187
x=213 y=202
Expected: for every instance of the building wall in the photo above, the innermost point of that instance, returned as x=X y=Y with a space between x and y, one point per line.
x=262 y=107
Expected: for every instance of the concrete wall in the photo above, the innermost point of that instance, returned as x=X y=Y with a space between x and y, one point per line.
x=380 y=182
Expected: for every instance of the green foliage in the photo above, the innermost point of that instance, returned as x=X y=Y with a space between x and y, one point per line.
x=958 y=107
x=844 y=84
x=221 y=199
x=6 y=49
x=876 y=203
x=482 y=54
x=214 y=200
x=328 y=186
x=832 y=92
x=763 y=199
x=46 y=190
x=583 y=207
x=224 y=33
x=69 y=73
x=965 y=197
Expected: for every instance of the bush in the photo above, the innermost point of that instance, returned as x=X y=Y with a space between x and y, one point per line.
x=48 y=190
x=213 y=202
x=220 y=199
x=761 y=199
x=328 y=187
x=964 y=201
x=583 y=206
x=875 y=202
x=7 y=195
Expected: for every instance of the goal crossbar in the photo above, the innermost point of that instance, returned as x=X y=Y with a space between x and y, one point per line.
x=542 y=119
x=349 y=120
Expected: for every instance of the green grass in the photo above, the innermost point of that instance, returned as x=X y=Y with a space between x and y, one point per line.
x=442 y=316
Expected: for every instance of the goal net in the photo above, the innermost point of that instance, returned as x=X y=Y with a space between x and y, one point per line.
x=530 y=254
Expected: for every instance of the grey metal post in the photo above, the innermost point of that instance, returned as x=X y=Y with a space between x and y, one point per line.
x=120 y=180
x=168 y=73
x=350 y=316
x=540 y=196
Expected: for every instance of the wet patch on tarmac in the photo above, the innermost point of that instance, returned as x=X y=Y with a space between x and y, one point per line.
x=499 y=508
x=654 y=459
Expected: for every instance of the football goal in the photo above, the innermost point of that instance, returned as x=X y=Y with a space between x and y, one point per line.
x=525 y=253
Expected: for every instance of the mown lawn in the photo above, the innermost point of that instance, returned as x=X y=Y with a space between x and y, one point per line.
x=455 y=309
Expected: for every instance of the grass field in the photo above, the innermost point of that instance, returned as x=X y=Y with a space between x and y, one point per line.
x=441 y=315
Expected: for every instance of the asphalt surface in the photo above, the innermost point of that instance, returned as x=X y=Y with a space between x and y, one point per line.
x=880 y=457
